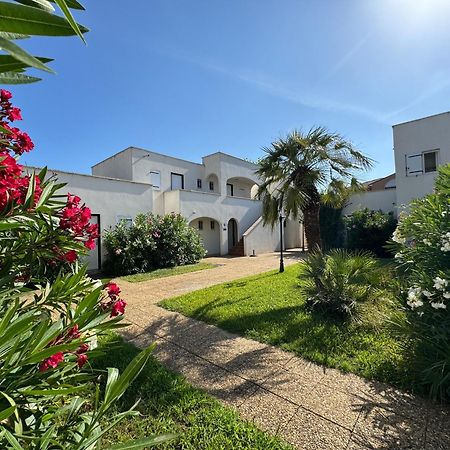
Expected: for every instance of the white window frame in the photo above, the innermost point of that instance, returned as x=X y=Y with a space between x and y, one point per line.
x=127 y=219
x=420 y=155
x=155 y=172
x=436 y=152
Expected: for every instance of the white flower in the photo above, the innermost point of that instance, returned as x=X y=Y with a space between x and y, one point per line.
x=118 y=251
x=438 y=305
x=398 y=256
x=427 y=294
x=446 y=247
x=440 y=283
x=415 y=303
x=397 y=237
x=427 y=242
x=447 y=295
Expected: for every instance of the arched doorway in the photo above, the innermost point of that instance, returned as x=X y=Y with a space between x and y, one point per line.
x=209 y=231
x=232 y=234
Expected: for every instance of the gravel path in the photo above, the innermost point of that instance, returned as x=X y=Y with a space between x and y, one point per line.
x=308 y=405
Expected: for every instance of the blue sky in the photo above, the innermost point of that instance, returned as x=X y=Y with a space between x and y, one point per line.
x=188 y=78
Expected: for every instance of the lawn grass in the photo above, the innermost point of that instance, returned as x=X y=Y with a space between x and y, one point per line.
x=270 y=308
x=170 y=405
x=162 y=273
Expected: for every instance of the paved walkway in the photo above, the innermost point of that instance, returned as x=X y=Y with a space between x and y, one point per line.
x=307 y=405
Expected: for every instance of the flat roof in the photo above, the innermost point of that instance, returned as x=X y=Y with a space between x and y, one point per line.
x=422 y=118
x=90 y=176
x=231 y=156
x=173 y=157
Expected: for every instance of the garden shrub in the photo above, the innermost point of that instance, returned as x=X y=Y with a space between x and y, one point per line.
x=422 y=242
x=51 y=312
x=152 y=242
x=339 y=282
x=369 y=230
x=332 y=228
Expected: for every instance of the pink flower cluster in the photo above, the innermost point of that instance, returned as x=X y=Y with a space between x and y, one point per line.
x=115 y=304
x=55 y=360
x=75 y=218
x=13 y=186
x=12 y=139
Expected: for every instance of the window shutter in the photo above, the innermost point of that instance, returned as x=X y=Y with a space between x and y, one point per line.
x=414 y=165
x=155 y=179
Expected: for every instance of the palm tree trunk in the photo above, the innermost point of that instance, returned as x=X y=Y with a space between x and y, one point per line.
x=312 y=225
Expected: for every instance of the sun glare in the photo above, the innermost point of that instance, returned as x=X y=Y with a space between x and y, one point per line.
x=410 y=16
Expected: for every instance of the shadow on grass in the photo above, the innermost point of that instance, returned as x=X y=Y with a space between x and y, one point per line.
x=169 y=404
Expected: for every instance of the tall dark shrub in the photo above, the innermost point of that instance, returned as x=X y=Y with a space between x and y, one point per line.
x=332 y=228
x=369 y=230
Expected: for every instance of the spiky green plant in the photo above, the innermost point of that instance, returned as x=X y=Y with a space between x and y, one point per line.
x=340 y=282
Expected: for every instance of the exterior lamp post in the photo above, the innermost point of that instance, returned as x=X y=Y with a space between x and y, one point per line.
x=281 y=243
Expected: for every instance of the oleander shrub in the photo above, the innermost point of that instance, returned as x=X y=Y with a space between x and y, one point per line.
x=151 y=242
x=369 y=230
x=51 y=312
x=422 y=245
x=339 y=282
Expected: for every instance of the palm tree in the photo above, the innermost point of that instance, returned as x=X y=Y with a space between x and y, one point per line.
x=296 y=171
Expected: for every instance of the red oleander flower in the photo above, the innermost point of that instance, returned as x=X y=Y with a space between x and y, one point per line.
x=76 y=219
x=90 y=244
x=5 y=95
x=14 y=114
x=113 y=289
x=82 y=360
x=51 y=362
x=71 y=256
x=73 y=333
x=118 y=308
x=83 y=348
x=14 y=186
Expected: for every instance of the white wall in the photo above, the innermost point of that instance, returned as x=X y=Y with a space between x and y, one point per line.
x=374 y=200
x=193 y=205
x=263 y=238
x=210 y=237
x=415 y=137
x=107 y=197
x=117 y=166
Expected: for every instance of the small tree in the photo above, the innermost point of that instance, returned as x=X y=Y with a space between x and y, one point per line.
x=296 y=170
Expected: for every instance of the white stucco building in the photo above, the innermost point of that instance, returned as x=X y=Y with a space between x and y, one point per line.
x=216 y=196
x=420 y=147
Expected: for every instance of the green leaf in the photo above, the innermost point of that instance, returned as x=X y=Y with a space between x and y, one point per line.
x=42 y=4
x=8 y=63
x=13 y=36
x=130 y=373
x=7 y=412
x=27 y=20
x=17 y=78
x=20 y=54
x=72 y=4
x=52 y=392
x=12 y=440
x=64 y=8
x=142 y=443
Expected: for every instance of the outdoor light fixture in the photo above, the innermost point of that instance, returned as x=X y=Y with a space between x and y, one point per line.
x=281 y=242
